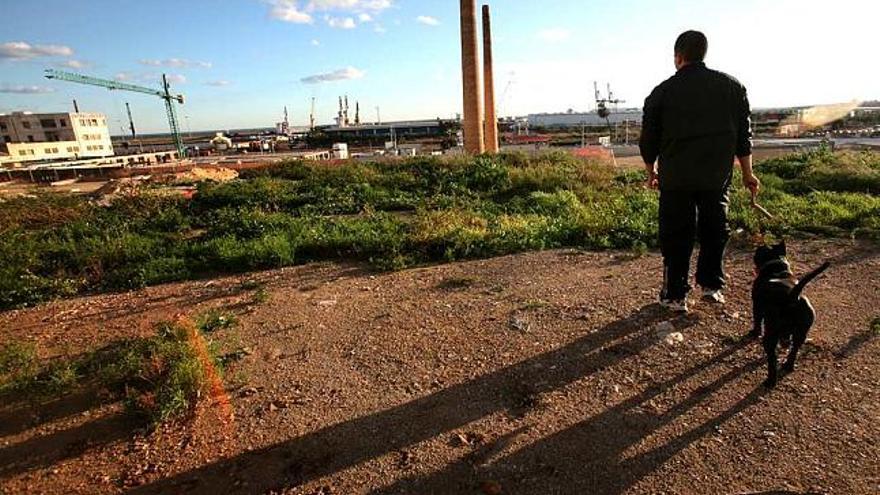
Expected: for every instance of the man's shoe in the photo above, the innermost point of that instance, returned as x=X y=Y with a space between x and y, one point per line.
x=714 y=296
x=675 y=305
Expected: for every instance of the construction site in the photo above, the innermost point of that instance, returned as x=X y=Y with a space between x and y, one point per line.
x=463 y=305
x=61 y=149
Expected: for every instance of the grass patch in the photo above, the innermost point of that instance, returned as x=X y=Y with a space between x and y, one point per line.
x=159 y=378
x=457 y=283
x=534 y=305
x=18 y=363
x=392 y=215
x=214 y=320
x=260 y=296
x=875 y=326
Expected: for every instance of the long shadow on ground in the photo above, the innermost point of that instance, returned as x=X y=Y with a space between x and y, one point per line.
x=335 y=448
x=589 y=457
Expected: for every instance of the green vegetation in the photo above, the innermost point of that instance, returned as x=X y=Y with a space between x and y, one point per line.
x=456 y=283
x=18 y=361
x=158 y=378
x=214 y=320
x=875 y=326
x=392 y=215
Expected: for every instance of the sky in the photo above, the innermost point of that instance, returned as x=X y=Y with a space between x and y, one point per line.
x=239 y=62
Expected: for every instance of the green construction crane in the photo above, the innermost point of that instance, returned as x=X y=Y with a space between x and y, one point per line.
x=164 y=93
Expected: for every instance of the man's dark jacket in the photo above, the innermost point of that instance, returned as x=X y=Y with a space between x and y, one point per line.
x=696 y=122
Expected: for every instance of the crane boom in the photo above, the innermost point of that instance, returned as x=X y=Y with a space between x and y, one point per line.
x=164 y=94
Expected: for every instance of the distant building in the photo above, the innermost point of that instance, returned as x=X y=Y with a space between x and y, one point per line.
x=589 y=119
x=46 y=137
x=410 y=128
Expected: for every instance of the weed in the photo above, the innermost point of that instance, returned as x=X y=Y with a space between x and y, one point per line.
x=534 y=305
x=18 y=365
x=214 y=320
x=261 y=296
x=457 y=283
x=875 y=326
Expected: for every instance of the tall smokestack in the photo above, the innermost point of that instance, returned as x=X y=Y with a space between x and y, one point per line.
x=470 y=71
x=491 y=130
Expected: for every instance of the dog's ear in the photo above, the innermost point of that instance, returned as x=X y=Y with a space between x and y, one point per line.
x=780 y=248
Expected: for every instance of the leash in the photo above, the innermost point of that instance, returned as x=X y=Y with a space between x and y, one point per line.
x=760 y=209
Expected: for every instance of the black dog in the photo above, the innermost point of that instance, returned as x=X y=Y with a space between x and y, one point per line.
x=778 y=304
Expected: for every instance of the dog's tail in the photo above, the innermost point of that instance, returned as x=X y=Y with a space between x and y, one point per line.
x=798 y=289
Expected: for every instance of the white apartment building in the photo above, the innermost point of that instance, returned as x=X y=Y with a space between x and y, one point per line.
x=46 y=137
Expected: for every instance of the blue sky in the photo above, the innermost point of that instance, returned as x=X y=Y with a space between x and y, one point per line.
x=240 y=61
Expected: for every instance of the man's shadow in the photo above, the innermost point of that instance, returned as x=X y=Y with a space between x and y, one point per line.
x=590 y=456
x=338 y=447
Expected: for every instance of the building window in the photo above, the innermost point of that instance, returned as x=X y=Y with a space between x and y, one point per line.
x=63 y=123
x=94 y=122
x=30 y=139
x=2 y=127
x=48 y=123
x=26 y=125
x=22 y=152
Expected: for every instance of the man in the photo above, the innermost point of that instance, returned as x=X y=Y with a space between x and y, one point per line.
x=695 y=123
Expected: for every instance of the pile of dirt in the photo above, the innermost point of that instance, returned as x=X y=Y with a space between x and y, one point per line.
x=125 y=187
x=197 y=174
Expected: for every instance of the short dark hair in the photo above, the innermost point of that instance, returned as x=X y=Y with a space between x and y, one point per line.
x=692 y=46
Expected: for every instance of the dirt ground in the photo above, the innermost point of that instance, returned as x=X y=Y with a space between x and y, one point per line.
x=539 y=373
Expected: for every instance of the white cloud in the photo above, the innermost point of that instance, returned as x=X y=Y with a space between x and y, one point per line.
x=148 y=77
x=218 y=83
x=20 y=50
x=427 y=20
x=316 y=43
x=176 y=63
x=25 y=90
x=74 y=64
x=554 y=35
x=349 y=5
x=345 y=74
x=176 y=78
x=380 y=29
x=341 y=22
x=297 y=12
x=288 y=11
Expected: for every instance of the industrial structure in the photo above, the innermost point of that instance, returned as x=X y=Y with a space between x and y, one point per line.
x=407 y=128
x=165 y=94
x=480 y=125
x=491 y=119
x=474 y=135
x=29 y=137
x=572 y=118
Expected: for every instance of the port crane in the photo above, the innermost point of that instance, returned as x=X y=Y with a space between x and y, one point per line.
x=165 y=94
x=602 y=105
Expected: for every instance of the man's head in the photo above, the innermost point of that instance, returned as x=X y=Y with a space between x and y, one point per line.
x=690 y=47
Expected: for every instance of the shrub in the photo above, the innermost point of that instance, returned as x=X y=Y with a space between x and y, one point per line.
x=392 y=214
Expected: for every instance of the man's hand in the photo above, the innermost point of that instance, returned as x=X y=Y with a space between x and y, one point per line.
x=653 y=181
x=749 y=180
x=752 y=183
